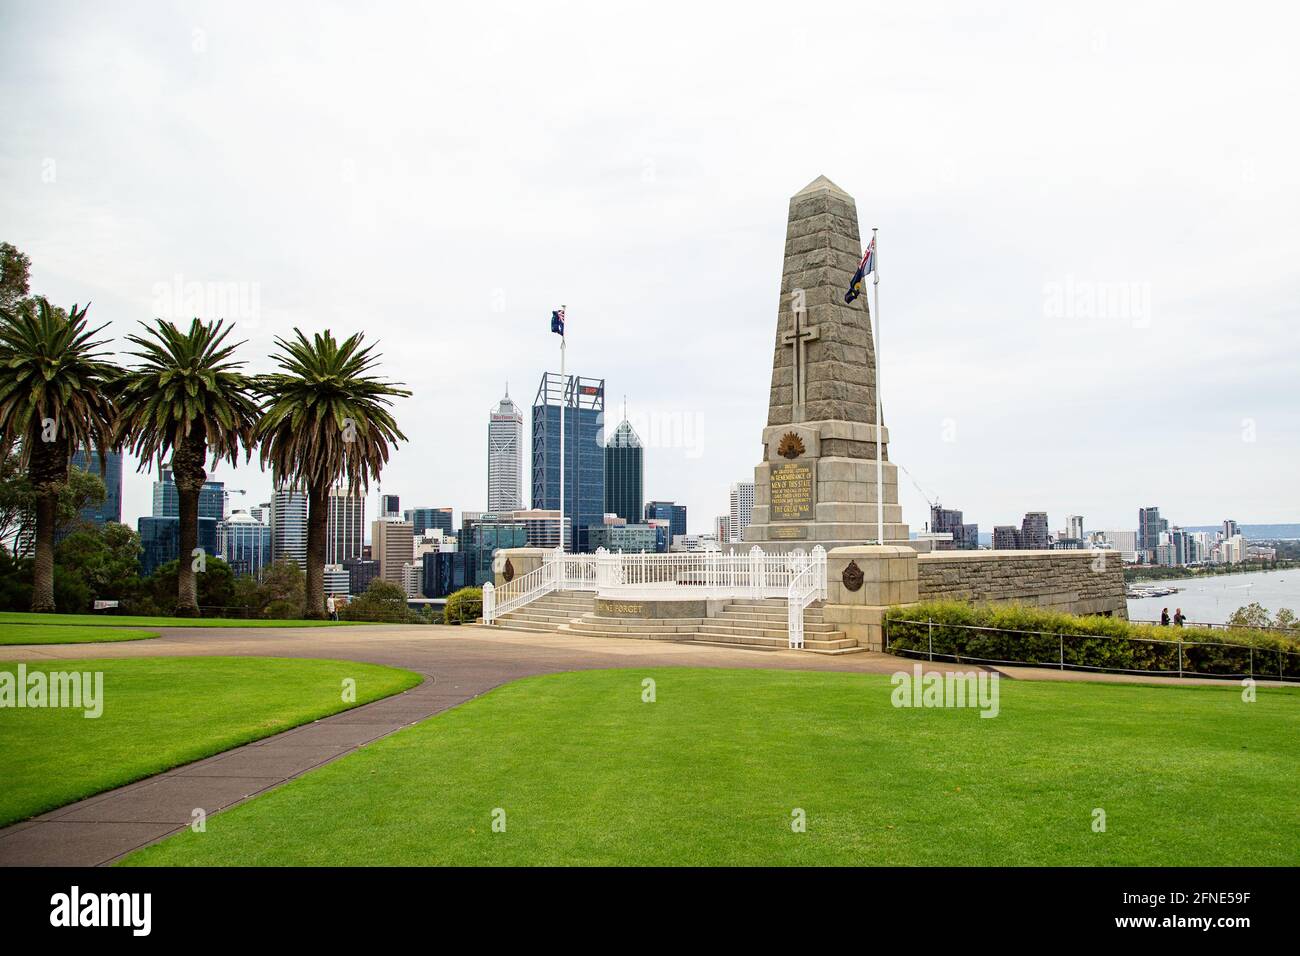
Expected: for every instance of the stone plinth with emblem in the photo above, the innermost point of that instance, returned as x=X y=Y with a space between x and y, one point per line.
x=816 y=483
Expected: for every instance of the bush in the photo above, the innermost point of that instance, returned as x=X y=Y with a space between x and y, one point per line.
x=1019 y=634
x=283 y=611
x=465 y=605
x=382 y=601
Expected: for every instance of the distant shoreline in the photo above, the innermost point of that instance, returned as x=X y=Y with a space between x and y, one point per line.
x=1184 y=574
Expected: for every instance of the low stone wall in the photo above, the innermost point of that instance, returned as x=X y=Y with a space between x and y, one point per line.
x=1076 y=582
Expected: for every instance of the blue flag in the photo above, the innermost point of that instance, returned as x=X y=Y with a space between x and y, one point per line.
x=557 y=322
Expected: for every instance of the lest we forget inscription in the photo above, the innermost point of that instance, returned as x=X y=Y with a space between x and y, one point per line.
x=792 y=492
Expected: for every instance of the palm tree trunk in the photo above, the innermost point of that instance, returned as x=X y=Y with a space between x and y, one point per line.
x=48 y=472
x=187 y=469
x=187 y=598
x=318 y=501
x=47 y=505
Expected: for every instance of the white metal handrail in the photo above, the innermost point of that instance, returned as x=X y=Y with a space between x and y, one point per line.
x=807 y=585
x=753 y=574
x=557 y=572
x=709 y=574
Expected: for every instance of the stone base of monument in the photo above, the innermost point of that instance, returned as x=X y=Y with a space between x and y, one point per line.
x=862 y=583
x=817 y=485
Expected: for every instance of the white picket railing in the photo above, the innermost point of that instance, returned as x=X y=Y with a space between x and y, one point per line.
x=807 y=585
x=557 y=572
x=751 y=574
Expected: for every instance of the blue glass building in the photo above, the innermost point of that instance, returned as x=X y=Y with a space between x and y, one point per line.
x=160 y=540
x=167 y=502
x=111 y=475
x=244 y=543
x=674 y=514
x=426 y=519
x=583 y=402
x=444 y=572
x=479 y=540
x=624 y=473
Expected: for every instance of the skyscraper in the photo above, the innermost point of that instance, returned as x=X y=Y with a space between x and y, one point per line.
x=244 y=543
x=1033 y=531
x=1006 y=537
x=583 y=403
x=392 y=542
x=671 y=512
x=742 y=510
x=1149 y=527
x=167 y=502
x=428 y=519
x=1074 y=527
x=505 y=457
x=345 y=531
x=965 y=537
x=624 y=473
x=289 y=526
x=111 y=509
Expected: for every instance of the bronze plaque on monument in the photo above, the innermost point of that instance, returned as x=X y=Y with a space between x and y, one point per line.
x=792 y=492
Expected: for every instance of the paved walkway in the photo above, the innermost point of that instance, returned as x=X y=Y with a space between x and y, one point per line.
x=459 y=663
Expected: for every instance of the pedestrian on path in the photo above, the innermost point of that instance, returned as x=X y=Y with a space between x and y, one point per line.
x=1164 y=618
x=1178 y=617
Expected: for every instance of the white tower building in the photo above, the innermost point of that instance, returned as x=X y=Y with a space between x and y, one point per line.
x=742 y=509
x=505 y=457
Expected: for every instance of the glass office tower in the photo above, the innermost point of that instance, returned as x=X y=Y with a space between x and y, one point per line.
x=624 y=474
x=583 y=402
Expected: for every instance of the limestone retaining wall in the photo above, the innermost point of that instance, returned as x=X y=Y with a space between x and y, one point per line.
x=1076 y=582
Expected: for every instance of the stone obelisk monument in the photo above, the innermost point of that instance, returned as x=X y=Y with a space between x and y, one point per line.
x=816 y=483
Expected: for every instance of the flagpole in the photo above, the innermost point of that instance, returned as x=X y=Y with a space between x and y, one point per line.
x=875 y=317
x=564 y=403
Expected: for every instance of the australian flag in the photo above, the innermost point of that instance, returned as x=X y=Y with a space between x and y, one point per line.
x=557 y=321
x=865 y=268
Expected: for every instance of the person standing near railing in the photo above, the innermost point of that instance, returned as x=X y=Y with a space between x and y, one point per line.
x=1178 y=617
x=1164 y=618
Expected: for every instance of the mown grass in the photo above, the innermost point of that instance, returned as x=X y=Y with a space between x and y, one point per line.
x=63 y=634
x=132 y=620
x=714 y=771
x=159 y=713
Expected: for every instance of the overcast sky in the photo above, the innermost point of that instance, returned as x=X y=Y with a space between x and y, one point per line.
x=1087 y=222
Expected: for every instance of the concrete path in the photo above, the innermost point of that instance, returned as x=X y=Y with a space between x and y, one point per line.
x=459 y=663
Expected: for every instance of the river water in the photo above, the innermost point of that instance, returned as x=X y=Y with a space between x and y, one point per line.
x=1210 y=600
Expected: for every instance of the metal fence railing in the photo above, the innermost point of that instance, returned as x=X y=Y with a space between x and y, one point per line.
x=754 y=574
x=975 y=644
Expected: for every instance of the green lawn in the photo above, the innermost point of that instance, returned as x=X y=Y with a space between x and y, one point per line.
x=159 y=713
x=128 y=620
x=710 y=774
x=63 y=634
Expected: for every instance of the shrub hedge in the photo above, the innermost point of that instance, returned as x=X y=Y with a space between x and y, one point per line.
x=463 y=606
x=1034 y=636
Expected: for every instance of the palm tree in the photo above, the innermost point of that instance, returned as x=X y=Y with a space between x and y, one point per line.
x=53 y=400
x=325 y=421
x=188 y=398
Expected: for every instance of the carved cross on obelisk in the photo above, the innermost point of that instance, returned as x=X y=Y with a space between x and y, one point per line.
x=797 y=340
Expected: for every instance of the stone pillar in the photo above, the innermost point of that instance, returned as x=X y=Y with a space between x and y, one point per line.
x=862 y=582
x=521 y=561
